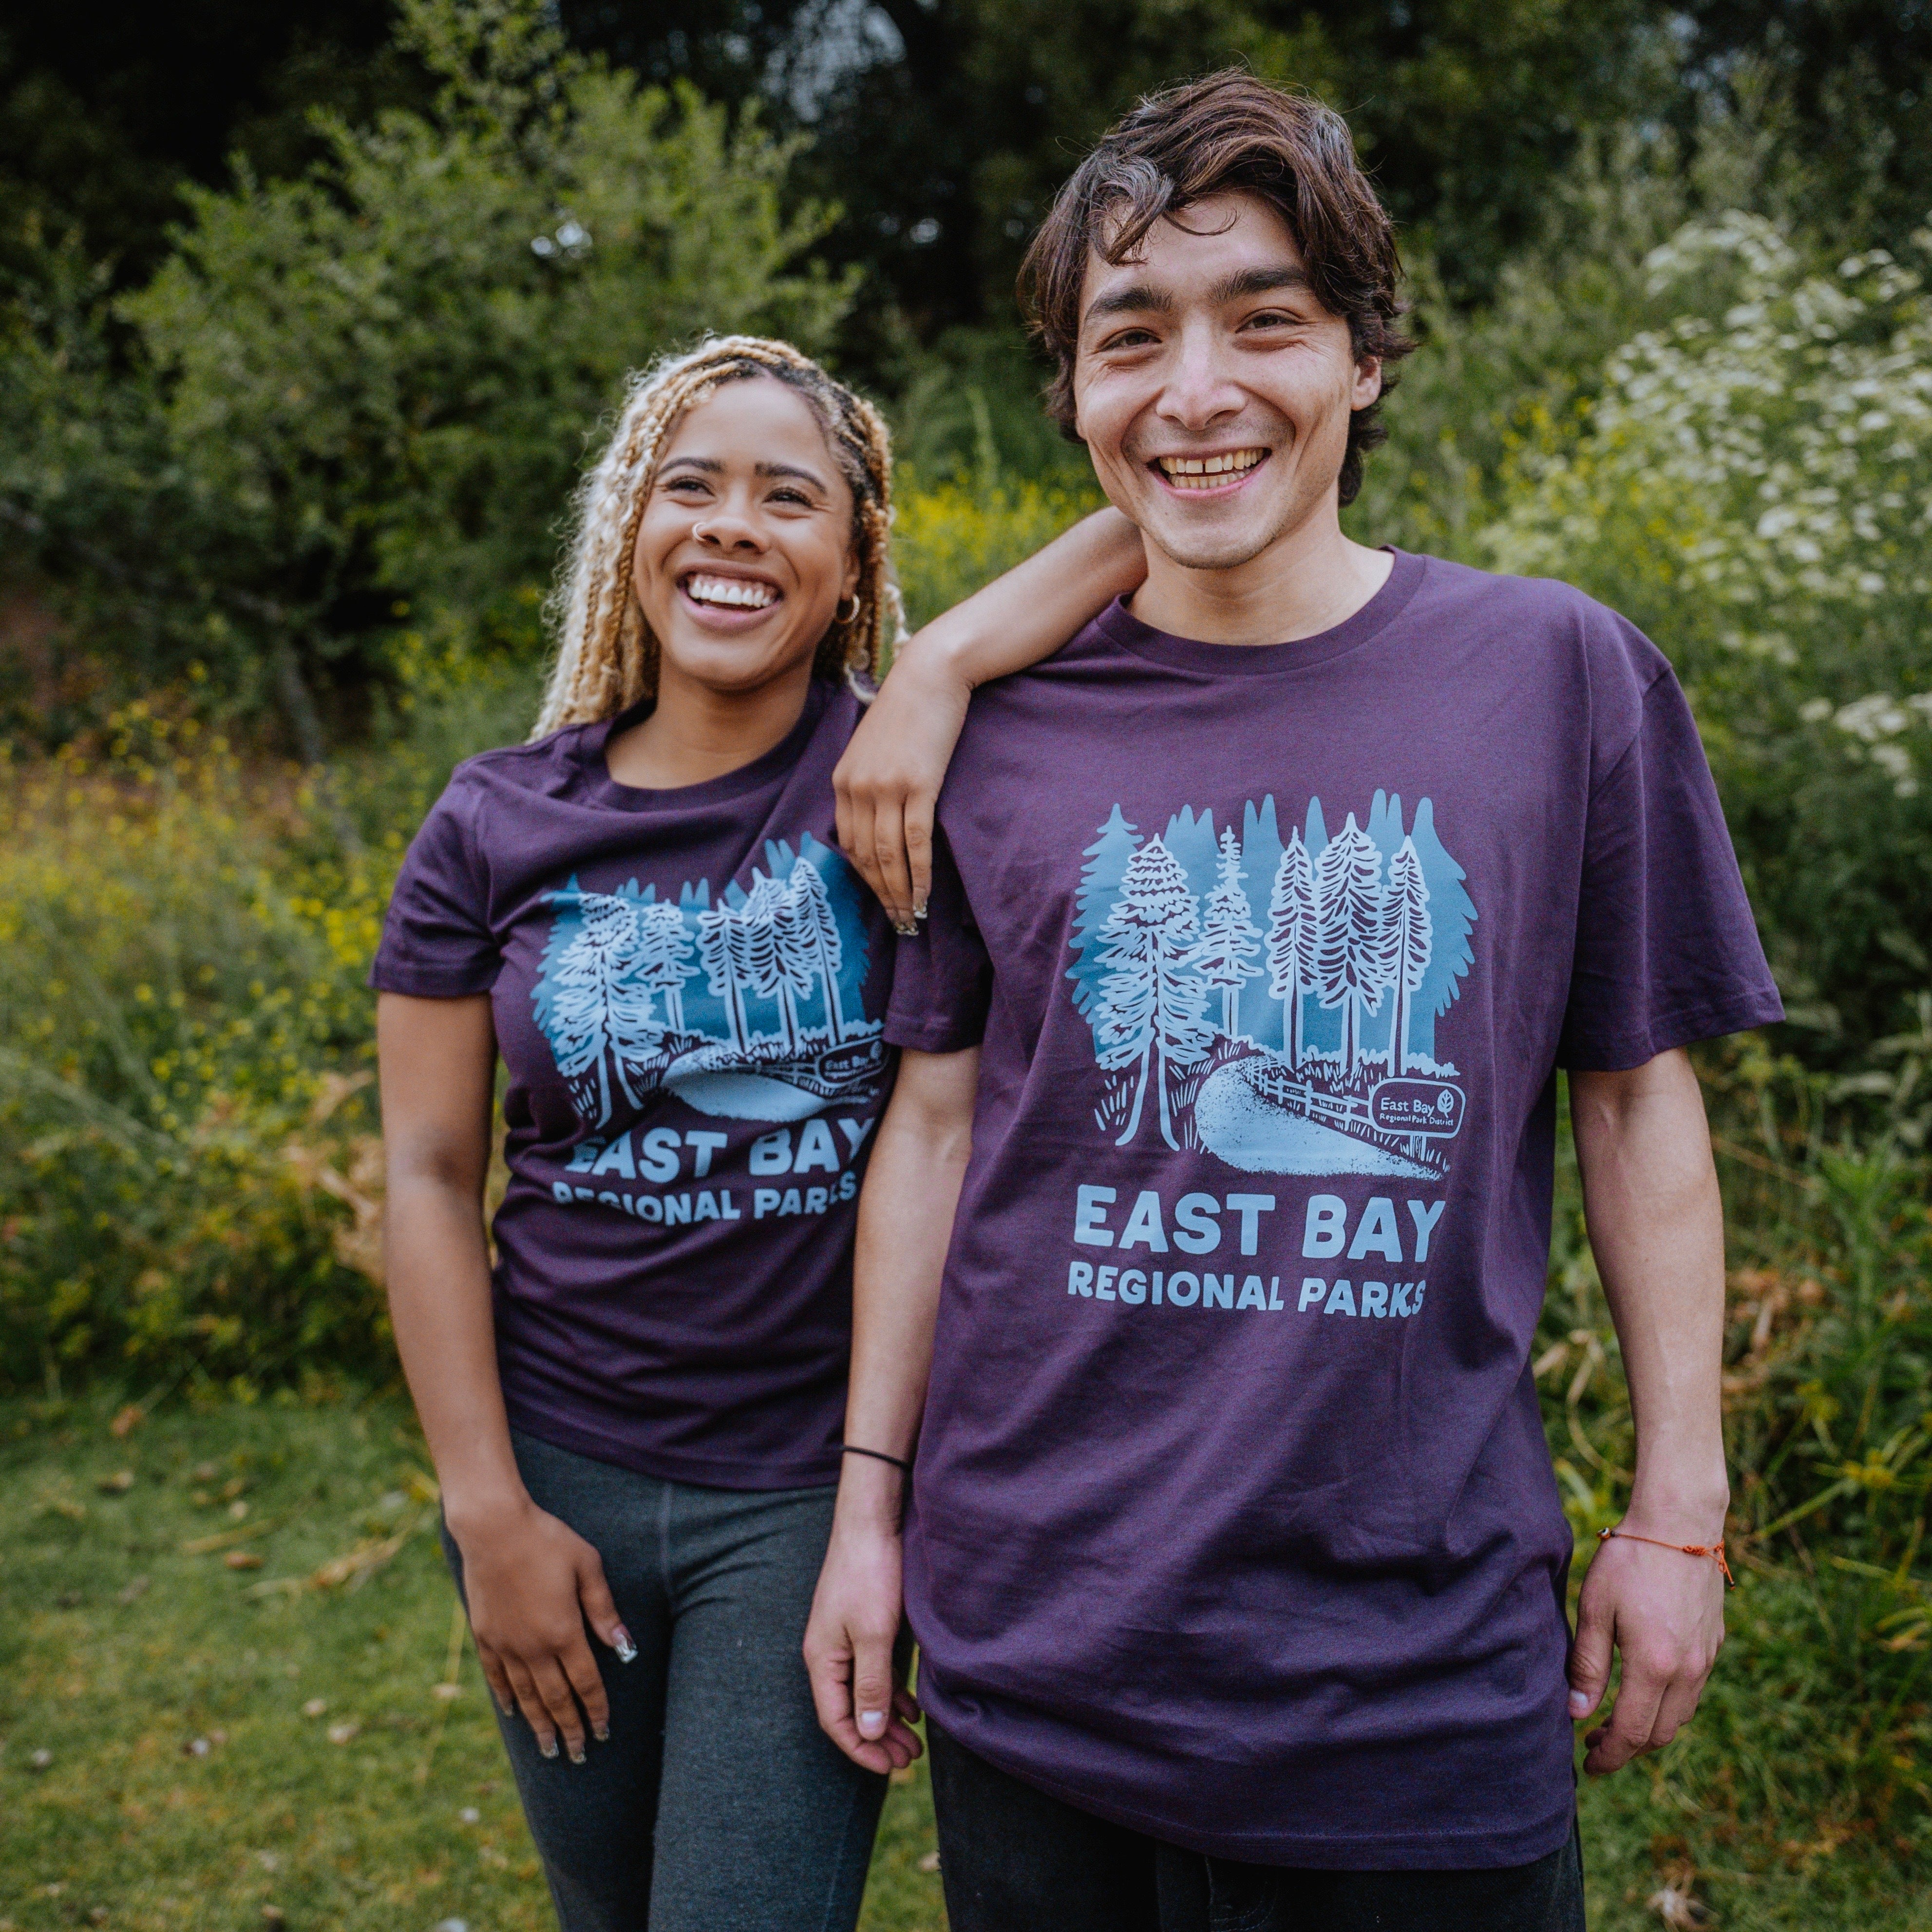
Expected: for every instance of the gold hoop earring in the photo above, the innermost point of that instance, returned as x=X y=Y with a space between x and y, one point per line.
x=842 y=616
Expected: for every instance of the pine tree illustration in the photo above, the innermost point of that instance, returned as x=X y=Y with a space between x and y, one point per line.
x=1228 y=936
x=601 y=1013
x=797 y=945
x=1099 y=880
x=1406 y=942
x=1149 y=1006
x=819 y=926
x=1294 y=930
x=763 y=973
x=1348 y=888
x=722 y=949
x=664 y=956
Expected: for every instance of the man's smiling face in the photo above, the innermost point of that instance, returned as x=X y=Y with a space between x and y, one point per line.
x=1212 y=388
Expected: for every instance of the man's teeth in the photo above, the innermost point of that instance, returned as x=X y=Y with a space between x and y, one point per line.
x=1208 y=472
x=737 y=591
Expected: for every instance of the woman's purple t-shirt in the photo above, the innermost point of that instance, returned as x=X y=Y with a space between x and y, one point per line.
x=688 y=987
x=1233 y=1520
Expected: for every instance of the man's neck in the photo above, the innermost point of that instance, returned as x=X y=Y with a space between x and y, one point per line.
x=1308 y=580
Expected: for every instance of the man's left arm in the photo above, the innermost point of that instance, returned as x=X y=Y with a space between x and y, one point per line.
x=1656 y=1224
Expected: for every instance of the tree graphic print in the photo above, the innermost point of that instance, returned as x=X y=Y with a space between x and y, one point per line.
x=723 y=951
x=1294 y=929
x=1149 y=1007
x=817 y=932
x=1404 y=945
x=600 y=1008
x=1228 y=936
x=664 y=955
x=1348 y=884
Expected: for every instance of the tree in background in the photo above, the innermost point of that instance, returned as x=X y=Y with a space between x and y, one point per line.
x=367 y=389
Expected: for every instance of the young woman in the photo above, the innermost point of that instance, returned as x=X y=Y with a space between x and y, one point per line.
x=634 y=1412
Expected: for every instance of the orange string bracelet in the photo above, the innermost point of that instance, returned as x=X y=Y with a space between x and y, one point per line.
x=1715 y=1551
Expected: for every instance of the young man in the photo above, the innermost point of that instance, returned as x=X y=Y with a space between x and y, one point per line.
x=1214 y=1202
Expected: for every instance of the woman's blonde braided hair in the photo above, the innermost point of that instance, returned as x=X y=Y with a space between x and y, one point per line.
x=607 y=656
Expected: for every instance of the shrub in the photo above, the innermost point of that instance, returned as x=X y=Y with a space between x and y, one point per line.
x=369 y=389
x=184 y=1183
x=1752 y=486
x=950 y=537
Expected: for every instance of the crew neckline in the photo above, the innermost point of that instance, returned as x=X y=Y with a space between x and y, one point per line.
x=766 y=769
x=1121 y=626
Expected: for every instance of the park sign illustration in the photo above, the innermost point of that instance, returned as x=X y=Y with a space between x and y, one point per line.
x=747 y=1007
x=1276 y=1003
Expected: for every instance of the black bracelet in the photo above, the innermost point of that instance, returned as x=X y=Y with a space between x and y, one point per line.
x=878 y=1455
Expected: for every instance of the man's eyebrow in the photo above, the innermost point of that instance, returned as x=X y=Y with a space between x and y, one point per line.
x=1134 y=297
x=1259 y=281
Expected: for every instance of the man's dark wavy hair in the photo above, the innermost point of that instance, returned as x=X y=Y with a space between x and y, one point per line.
x=1228 y=133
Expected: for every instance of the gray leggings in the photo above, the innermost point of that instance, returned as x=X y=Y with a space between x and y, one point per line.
x=718 y=1804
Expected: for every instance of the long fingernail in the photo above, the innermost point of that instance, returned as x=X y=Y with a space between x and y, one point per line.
x=548 y=1746
x=601 y=1732
x=620 y=1642
x=576 y=1754
x=906 y=931
x=919 y=910
x=871 y=1723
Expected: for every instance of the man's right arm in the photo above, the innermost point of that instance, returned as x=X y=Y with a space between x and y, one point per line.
x=905 y=1224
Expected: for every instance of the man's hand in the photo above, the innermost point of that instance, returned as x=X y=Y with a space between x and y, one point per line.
x=533 y=1583
x=1663 y=1612
x=848 y=1651
x=887 y=783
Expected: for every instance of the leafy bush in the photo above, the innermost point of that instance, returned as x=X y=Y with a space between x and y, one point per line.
x=1753 y=486
x=185 y=1162
x=1819 y=1729
x=951 y=538
x=369 y=389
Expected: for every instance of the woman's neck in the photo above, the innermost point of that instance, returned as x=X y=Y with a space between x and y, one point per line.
x=695 y=734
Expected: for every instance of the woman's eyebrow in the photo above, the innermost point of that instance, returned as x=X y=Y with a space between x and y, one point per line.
x=708 y=464
x=789 y=470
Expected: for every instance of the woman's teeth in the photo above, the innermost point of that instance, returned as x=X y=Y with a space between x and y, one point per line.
x=1207 y=472
x=738 y=592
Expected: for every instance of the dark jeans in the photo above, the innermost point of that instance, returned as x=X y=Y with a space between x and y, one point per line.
x=1015 y=1860
x=718 y=1804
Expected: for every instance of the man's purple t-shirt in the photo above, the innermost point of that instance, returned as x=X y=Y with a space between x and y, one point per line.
x=1233 y=1519
x=688 y=987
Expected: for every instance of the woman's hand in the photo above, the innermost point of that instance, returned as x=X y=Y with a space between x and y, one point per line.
x=848 y=1651
x=887 y=783
x=533 y=1583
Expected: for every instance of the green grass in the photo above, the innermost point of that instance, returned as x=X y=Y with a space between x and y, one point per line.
x=118 y=1650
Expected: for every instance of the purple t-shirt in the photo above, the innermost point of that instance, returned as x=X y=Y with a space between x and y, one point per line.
x=1233 y=1520
x=688 y=988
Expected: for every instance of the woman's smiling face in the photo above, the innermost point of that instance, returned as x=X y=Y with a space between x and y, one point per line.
x=745 y=550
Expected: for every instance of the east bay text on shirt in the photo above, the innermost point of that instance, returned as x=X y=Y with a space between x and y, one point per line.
x=1197 y=1229
x=658 y=1154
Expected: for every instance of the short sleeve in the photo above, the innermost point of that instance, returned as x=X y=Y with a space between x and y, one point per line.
x=942 y=979
x=1667 y=951
x=437 y=943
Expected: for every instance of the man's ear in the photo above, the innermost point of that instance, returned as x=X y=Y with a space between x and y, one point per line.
x=1368 y=383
